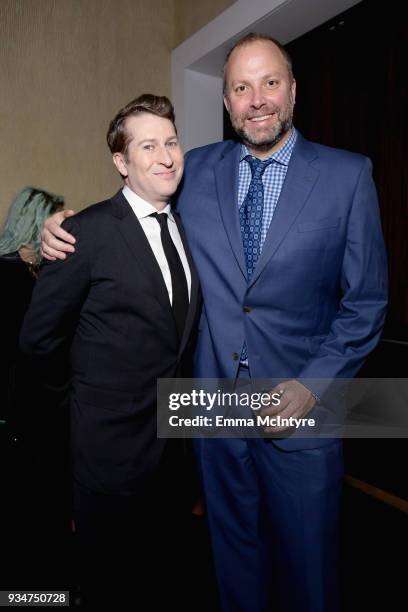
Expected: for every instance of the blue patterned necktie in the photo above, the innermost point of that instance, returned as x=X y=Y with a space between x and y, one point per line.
x=250 y=213
x=250 y=217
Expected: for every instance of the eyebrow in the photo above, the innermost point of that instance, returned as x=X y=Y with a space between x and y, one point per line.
x=270 y=75
x=154 y=140
x=146 y=140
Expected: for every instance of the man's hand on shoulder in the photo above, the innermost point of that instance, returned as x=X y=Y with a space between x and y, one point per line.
x=55 y=240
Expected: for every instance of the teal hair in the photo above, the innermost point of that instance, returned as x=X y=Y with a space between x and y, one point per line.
x=25 y=219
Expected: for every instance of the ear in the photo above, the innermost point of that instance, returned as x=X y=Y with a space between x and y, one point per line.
x=227 y=103
x=119 y=161
x=293 y=89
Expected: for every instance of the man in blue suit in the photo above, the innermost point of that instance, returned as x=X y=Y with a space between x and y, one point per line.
x=287 y=240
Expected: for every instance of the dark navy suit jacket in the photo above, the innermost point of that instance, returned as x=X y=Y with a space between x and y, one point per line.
x=108 y=304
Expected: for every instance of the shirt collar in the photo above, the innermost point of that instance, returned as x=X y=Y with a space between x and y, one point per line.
x=140 y=207
x=282 y=155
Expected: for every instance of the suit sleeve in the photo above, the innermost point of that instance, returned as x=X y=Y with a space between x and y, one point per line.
x=52 y=316
x=357 y=326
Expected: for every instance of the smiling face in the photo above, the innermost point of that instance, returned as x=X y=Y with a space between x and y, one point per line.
x=259 y=96
x=152 y=165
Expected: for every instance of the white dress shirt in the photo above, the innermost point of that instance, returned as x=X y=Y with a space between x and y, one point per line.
x=151 y=228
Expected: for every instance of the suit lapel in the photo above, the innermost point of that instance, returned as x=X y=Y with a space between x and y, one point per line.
x=194 y=293
x=226 y=175
x=299 y=182
x=138 y=244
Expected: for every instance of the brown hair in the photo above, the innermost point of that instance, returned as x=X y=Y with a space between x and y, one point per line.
x=254 y=37
x=117 y=136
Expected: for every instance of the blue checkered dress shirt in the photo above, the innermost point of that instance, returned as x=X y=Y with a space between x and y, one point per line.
x=273 y=179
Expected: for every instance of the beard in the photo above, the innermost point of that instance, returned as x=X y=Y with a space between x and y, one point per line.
x=267 y=137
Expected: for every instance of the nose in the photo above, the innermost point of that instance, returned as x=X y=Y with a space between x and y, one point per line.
x=165 y=157
x=257 y=98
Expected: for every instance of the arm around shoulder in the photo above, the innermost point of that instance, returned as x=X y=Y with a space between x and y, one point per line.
x=57 y=299
x=56 y=241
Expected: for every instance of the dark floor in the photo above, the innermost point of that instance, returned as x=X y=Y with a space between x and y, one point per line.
x=37 y=548
x=373 y=544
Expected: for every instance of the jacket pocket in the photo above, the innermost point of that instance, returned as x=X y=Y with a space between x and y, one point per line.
x=319 y=224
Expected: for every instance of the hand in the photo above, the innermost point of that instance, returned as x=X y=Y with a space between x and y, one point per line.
x=296 y=401
x=27 y=254
x=55 y=240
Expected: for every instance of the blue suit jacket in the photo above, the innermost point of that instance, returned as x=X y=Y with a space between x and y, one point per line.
x=318 y=295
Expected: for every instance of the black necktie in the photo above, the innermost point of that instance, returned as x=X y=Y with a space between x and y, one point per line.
x=178 y=277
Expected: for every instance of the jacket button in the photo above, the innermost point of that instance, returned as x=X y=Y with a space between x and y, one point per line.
x=235 y=356
x=247 y=309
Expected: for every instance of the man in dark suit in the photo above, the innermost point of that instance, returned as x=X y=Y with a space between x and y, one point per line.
x=124 y=305
x=287 y=240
